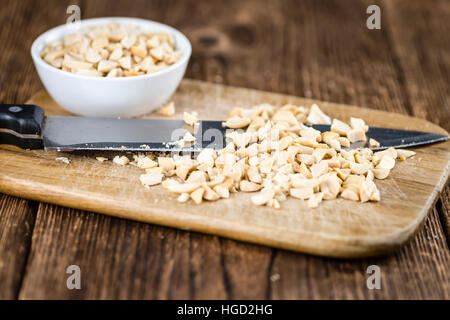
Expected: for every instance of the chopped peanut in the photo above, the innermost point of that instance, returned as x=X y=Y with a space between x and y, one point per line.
x=357 y=123
x=319 y=169
x=404 y=154
x=373 y=143
x=340 y=127
x=210 y=194
x=330 y=186
x=316 y=116
x=359 y=168
x=344 y=142
x=197 y=195
x=105 y=66
x=146 y=163
x=350 y=194
x=196 y=177
x=263 y=197
x=285 y=117
x=222 y=191
x=247 y=186
x=168 y=110
x=121 y=160
x=302 y=193
x=356 y=135
x=188 y=137
x=155 y=170
x=386 y=163
x=183 y=197
x=151 y=179
x=237 y=122
x=166 y=163
x=189 y=119
x=315 y=199
x=367 y=190
x=63 y=159
x=381 y=173
x=183 y=187
x=391 y=152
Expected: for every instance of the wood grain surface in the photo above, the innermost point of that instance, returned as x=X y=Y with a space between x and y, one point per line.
x=340 y=228
x=316 y=49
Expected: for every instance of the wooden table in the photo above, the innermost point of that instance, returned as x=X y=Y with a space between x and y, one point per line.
x=318 y=49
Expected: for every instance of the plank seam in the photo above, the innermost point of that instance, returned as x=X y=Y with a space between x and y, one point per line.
x=226 y=279
x=35 y=206
x=443 y=215
x=273 y=253
x=398 y=68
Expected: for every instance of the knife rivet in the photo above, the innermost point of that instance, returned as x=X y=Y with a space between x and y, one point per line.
x=15 y=109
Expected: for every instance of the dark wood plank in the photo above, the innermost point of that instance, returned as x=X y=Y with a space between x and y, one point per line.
x=246 y=269
x=415 y=272
x=318 y=49
x=423 y=56
x=16 y=226
x=18 y=81
x=443 y=208
x=20 y=26
x=119 y=259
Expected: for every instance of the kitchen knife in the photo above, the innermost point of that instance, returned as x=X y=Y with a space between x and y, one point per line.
x=27 y=127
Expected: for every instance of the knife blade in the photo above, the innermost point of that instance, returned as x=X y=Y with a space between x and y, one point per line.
x=27 y=127
x=111 y=134
x=395 y=138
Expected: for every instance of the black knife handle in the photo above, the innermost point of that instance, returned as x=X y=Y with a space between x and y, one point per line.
x=21 y=125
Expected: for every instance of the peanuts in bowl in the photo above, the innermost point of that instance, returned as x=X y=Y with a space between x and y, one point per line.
x=112 y=50
x=111 y=67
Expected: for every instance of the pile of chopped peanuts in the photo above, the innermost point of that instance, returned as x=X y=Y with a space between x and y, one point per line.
x=112 y=50
x=273 y=155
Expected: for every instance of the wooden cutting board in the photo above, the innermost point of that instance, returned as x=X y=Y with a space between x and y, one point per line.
x=338 y=228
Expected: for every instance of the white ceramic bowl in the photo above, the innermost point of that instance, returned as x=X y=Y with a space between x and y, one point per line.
x=111 y=97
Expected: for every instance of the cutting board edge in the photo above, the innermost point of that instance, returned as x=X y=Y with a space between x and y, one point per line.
x=336 y=247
